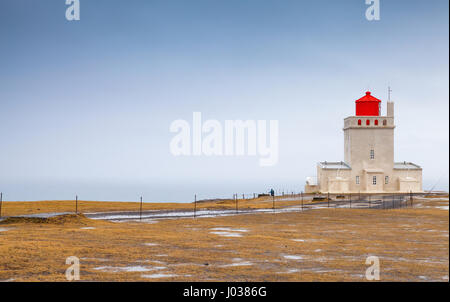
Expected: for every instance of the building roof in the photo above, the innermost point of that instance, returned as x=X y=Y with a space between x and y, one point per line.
x=368 y=98
x=334 y=165
x=374 y=170
x=406 y=166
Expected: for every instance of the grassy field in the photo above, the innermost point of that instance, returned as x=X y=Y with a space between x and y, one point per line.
x=316 y=245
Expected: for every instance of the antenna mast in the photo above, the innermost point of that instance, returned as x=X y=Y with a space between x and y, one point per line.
x=389 y=93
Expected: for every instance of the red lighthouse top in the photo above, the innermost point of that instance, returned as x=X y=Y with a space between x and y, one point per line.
x=368 y=105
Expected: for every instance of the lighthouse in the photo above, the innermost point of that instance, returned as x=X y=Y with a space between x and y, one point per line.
x=368 y=164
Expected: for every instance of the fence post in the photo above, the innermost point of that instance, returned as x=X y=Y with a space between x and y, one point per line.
x=301 y=193
x=195 y=204
x=328 y=198
x=1 y=202
x=236 y=204
x=273 y=202
x=359 y=199
x=393 y=201
x=410 y=197
x=350 y=200
x=370 y=202
x=140 y=210
x=76 y=204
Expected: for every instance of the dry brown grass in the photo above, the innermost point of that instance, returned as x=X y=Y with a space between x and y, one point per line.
x=412 y=245
x=14 y=208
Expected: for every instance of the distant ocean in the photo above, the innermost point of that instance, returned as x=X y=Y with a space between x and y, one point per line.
x=151 y=192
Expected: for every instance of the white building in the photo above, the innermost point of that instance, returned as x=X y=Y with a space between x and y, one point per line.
x=368 y=164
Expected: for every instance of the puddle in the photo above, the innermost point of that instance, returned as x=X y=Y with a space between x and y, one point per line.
x=151 y=244
x=4 y=229
x=88 y=228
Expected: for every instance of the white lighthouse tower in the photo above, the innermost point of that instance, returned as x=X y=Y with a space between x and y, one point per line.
x=368 y=164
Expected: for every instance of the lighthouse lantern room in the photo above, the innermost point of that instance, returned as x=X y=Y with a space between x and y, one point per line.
x=368 y=105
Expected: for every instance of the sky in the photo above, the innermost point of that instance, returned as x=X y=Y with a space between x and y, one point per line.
x=86 y=106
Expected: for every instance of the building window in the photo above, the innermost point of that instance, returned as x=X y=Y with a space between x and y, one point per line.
x=384 y=122
x=357 y=180
x=376 y=122
x=386 y=180
x=374 y=180
x=359 y=122
x=372 y=154
x=368 y=122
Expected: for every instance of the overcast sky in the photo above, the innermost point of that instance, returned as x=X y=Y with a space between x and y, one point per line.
x=85 y=106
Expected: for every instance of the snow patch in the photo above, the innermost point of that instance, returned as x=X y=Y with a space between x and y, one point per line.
x=242 y=263
x=227 y=234
x=128 y=268
x=95 y=259
x=298 y=240
x=156 y=276
x=8 y=280
x=229 y=230
x=443 y=208
x=293 y=257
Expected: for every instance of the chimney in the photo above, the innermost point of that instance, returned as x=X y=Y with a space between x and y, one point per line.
x=390 y=109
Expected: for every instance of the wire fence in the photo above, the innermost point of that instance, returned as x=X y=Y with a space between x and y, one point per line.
x=251 y=202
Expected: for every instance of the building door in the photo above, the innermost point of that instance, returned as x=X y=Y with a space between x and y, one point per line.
x=375 y=182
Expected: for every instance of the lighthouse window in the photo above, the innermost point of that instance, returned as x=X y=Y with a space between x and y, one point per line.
x=376 y=122
x=368 y=122
x=374 y=180
x=372 y=154
x=357 y=180
x=359 y=122
x=386 y=180
x=384 y=122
